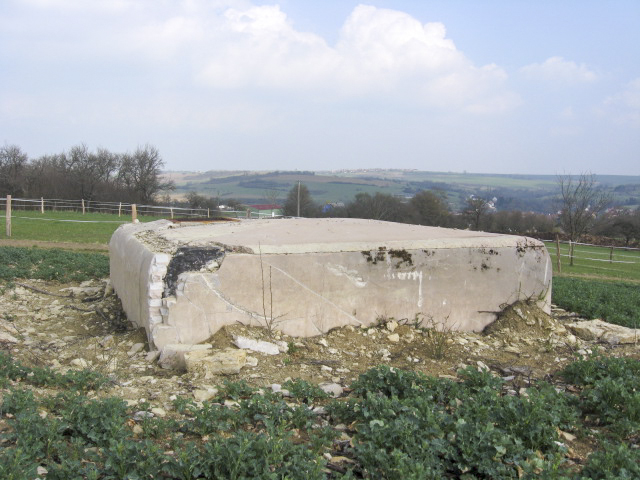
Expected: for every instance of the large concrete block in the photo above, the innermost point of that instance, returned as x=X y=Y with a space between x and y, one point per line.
x=306 y=276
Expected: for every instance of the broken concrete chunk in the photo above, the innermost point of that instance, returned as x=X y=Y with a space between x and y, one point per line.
x=173 y=355
x=152 y=356
x=205 y=365
x=599 y=330
x=333 y=389
x=6 y=337
x=204 y=394
x=259 y=346
x=135 y=348
x=80 y=363
x=392 y=325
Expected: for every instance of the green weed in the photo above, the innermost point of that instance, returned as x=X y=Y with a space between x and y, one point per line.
x=74 y=380
x=413 y=426
x=613 y=461
x=610 y=391
x=402 y=424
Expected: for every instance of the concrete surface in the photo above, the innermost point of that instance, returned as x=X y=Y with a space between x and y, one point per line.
x=184 y=281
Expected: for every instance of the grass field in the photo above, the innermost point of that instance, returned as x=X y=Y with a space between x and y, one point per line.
x=613 y=302
x=596 y=261
x=64 y=226
x=51 y=264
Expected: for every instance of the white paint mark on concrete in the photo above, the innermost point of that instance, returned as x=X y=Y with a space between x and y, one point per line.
x=546 y=271
x=415 y=275
x=352 y=275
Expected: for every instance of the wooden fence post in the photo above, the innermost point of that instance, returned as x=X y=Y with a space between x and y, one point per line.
x=120 y=209
x=558 y=254
x=571 y=252
x=611 y=255
x=134 y=213
x=42 y=205
x=83 y=206
x=8 y=215
x=171 y=210
x=207 y=213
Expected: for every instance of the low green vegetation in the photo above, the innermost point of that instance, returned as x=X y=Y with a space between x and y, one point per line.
x=70 y=227
x=613 y=302
x=51 y=264
x=398 y=424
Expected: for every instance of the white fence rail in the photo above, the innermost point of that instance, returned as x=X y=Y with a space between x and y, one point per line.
x=610 y=258
x=13 y=207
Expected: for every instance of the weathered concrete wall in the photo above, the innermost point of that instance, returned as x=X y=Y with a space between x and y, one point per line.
x=139 y=274
x=306 y=276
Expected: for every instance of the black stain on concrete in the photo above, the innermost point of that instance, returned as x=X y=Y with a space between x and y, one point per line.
x=189 y=259
x=373 y=256
x=403 y=256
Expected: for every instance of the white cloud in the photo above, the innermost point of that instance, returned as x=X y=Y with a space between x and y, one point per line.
x=380 y=55
x=259 y=47
x=557 y=69
x=380 y=52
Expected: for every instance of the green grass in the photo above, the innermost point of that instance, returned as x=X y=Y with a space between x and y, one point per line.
x=51 y=264
x=56 y=227
x=595 y=261
x=613 y=302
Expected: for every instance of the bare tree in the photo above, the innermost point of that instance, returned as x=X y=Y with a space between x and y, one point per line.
x=13 y=162
x=140 y=174
x=271 y=196
x=580 y=202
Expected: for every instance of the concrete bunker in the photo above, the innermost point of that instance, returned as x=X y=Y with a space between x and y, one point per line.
x=183 y=281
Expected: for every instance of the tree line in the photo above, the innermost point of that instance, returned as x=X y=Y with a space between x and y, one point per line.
x=581 y=206
x=79 y=173
x=426 y=207
x=135 y=177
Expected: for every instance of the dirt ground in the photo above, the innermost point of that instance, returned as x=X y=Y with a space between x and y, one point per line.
x=82 y=326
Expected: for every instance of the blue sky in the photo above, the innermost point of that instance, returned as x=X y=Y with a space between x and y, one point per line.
x=513 y=86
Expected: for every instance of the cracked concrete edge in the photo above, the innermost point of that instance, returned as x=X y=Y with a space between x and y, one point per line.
x=167 y=236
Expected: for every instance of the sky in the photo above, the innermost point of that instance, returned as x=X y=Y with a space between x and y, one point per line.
x=492 y=86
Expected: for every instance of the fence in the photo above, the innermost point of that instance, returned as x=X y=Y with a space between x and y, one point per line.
x=12 y=207
x=608 y=260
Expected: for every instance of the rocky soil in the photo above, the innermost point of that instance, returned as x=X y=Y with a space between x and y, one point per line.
x=76 y=326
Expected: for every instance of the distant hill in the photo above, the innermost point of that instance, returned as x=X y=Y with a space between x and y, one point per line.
x=513 y=192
